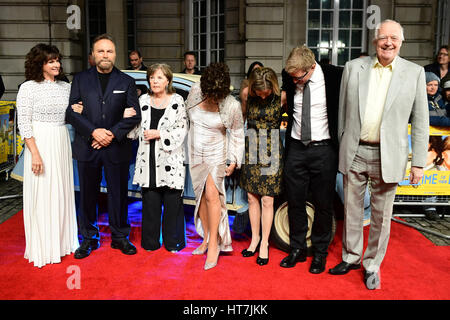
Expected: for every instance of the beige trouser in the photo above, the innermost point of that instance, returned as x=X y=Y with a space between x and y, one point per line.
x=365 y=166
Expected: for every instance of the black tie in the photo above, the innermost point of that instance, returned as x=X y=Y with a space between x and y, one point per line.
x=306 y=116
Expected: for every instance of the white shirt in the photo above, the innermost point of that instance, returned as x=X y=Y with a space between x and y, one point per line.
x=319 y=115
x=380 y=79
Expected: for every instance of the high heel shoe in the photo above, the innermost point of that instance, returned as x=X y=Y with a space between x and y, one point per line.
x=263 y=261
x=247 y=253
x=199 y=251
x=210 y=265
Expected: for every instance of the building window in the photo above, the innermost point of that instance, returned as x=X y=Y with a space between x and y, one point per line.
x=96 y=19
x=336 y=29
x=208 y=31
x=131 y=25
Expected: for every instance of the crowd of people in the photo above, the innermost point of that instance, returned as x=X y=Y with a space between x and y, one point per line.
x=438 y=92
x=338 y=119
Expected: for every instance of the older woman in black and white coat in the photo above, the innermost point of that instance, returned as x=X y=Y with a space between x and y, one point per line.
x=160 y=170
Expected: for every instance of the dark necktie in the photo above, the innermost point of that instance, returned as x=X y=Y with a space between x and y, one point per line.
x=306 y=116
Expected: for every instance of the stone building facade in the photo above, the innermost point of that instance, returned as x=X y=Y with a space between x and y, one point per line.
x=237 y=32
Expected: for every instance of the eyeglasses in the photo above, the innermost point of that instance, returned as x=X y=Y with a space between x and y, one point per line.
x=300 y=78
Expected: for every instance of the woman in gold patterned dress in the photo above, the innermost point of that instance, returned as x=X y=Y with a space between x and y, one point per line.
x=261 y=174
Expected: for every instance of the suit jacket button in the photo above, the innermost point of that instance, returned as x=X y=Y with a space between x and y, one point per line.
x=103 y=116
x=103 y=102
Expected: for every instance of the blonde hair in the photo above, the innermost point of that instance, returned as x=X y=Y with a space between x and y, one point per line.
x=166 y=70
x=262 y=79
x=300 y=58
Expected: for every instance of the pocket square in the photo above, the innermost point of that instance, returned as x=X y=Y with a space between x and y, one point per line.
x=118 y=91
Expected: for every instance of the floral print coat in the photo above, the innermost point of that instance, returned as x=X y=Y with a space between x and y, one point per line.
x=169 y=149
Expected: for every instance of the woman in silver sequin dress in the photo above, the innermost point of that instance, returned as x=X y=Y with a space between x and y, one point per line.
x=216 y=135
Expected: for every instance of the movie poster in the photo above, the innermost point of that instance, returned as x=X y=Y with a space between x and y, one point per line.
x=6 y=133
x=436 y=178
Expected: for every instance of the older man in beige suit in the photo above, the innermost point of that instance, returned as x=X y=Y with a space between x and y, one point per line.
x=378 y=96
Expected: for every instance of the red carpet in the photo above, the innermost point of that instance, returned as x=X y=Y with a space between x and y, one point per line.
x=414 y=268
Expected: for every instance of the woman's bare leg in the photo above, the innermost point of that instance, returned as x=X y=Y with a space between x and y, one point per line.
x=214 y=210
x=266 y=221
x=254 y=213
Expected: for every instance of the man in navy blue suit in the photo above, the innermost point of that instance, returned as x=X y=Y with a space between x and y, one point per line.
x=101 y=143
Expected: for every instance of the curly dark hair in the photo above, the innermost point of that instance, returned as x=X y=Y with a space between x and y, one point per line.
x=436 y=143
x=215 y=81
x=37 y=57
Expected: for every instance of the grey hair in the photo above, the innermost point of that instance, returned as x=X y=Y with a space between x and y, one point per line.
x=377 y=28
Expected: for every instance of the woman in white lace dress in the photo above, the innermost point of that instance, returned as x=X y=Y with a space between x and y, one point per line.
x=216 y=135
x=48 y=190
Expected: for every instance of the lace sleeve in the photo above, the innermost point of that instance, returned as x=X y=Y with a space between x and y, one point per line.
x=236 y=135
x=24 y=103
x=195 y=96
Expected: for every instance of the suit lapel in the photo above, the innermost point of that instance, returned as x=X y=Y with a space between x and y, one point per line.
x=396 y=82
x=364 y=79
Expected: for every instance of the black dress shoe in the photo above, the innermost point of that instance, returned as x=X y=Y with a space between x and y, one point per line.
x=124 y=245
x=343 y=268
x=263 y=261
x=247 y=253
x=296 y=255
x=371 y=280
x=86 y=248
x=318 y=264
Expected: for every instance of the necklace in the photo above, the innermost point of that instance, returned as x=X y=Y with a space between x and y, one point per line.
x=161 y=106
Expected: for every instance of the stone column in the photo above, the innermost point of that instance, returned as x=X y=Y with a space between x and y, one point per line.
x=116 y=26
x=265 y=21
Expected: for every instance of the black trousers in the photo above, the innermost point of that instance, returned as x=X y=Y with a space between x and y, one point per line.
x=173 y=224
x=90 y=176
x=310 y=171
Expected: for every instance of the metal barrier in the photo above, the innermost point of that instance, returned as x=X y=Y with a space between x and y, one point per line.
x=434 y=189
x=8 y=140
